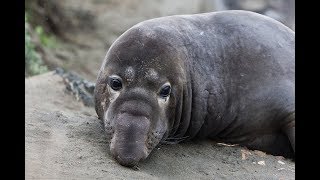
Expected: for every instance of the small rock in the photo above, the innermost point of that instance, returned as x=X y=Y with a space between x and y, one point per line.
x=280 y=162
x=79 y=156
x=245 y=153
x=136 y=168
x=280 y=157
x=260 y=153
x=243 y=156
x=262 y=163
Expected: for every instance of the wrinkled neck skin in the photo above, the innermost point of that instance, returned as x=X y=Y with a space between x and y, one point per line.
x=202 y=90
x=203 y=87
x=223 y=61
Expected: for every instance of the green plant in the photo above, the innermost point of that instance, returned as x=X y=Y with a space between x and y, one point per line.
x=33 y=62
x=45 y=39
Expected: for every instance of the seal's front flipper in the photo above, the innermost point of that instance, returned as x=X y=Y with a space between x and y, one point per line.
x=289 y=129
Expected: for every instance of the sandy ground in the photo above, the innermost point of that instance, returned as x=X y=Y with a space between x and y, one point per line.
x=64 y=140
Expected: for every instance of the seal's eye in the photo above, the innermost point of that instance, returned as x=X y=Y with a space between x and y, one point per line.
x=115 y=83
x=165 y=91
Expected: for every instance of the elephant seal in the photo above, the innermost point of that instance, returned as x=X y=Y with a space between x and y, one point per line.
x=228 y=76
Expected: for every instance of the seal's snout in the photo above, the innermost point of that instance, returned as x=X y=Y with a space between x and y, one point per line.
x=128 y=145
x=129 y=153
x=128 y=160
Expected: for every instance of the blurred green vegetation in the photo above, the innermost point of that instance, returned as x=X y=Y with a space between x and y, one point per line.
x=33 y=62
x=45 y=39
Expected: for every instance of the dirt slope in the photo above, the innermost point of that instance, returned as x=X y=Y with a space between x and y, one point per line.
x=64 y=140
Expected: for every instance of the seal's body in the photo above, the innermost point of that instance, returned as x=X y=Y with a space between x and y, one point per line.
x=225 y=75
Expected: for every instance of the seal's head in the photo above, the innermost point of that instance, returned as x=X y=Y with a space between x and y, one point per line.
x=138 y=91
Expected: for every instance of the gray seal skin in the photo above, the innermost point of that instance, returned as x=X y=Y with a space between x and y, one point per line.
x=228 y=76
